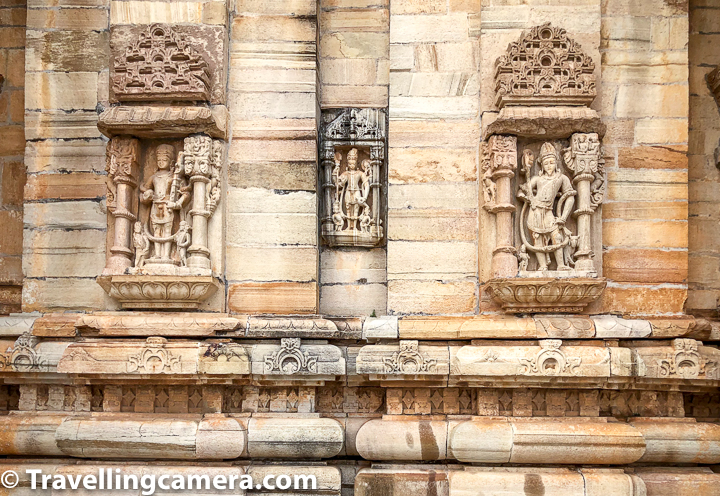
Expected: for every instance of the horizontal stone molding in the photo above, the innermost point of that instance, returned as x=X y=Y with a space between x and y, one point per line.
x=538 y=441
x=187 y=437
x=431 y=480
x=372 y=329
x=546 y=122
x=164 y=122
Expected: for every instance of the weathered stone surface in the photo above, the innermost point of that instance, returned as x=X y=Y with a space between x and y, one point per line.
x=607 y=326
x=294 y=438
x=679 y=442
x=273 y=297
x=402 y=439
x=380 y=328
x=156 y=324
x=546 y=122
x=480 y=327
x=15 y=325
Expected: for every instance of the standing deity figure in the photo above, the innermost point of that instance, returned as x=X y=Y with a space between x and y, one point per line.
x=164 y=190
x=353 y=188
x=547 y=228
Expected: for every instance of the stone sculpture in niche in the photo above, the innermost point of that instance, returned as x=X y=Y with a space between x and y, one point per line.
x=548 y=200
x=164 y=167
x=545 y=67
x=544 y=211
x=161 y=65
x=352 y=177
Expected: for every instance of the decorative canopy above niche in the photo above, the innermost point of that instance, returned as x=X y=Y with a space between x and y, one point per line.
x=545 y=67
x=161 y=65
x=352 y=175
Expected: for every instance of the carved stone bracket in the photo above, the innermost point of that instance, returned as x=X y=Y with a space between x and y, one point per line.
x=164 y=122
x=293 y=358
x=353 y=177
x=407 y=358
x=159 y=291
x=545 y=295
x=713 y=80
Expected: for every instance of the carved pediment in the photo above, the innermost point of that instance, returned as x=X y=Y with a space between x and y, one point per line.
x=545 y=67
x=357 y=125
x=161 y=65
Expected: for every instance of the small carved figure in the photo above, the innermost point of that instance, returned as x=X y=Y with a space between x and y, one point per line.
x=337 y=217
x=164 y=189
x=489 y=188
x=539 y=193
x=183 y=239
x=354 y=189
x=523 y=257
x=141 y=244
x=365 y=219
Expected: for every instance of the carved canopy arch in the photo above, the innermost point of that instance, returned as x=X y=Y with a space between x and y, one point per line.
x=161 y=65
x=545 y=67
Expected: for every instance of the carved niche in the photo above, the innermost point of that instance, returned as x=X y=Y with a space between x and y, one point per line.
x=545 y=67
x=544 y=193
x=352 y=175
x=161 y=65
x=164 y=166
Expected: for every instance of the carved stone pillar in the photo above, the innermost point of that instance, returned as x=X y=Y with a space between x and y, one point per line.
x=122 y=169
x=500 y=163
x=583 y=158
x=199 y=167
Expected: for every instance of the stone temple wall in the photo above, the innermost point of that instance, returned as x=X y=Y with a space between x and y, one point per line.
x=430 y=247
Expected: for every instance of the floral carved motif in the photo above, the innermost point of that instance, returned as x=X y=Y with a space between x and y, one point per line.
x=409 y=360
x=545 y=67
x=290 y=359
x=159 y=291
x=161 y=65
x=154 y=359
x=686 y=362
x=22 y=357
x=550 y=361
x=545 y=295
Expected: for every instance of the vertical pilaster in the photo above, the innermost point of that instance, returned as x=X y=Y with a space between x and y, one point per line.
x=271 y=228
x=354 y=70
x=434 y=137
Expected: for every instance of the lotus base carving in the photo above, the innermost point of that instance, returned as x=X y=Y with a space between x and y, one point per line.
x=159 y=292
x=545 y=295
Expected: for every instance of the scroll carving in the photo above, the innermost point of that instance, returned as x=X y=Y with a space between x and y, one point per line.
x=154 y=359
x=353 y=176
x=409 y=360
x=161 y=65
x=290 y=359
x=545 y=67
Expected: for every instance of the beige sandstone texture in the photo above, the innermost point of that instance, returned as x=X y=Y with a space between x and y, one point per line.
x=408 y=247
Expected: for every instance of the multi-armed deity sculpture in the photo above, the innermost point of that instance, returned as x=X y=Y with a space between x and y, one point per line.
x=352 y=176
x=545 y=210
x=164 y=180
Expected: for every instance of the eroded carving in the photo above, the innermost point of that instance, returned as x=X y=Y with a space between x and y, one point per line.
x=290 y=359
x=686 y=362
x=551 y=360
x=409 y=360
x=353 y=174
x=154 y=359
x=545 y=67
x=22 y=356
x=161 y=65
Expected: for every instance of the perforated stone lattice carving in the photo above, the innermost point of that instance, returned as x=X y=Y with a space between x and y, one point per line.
x=545 y=67
x=161 y=65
